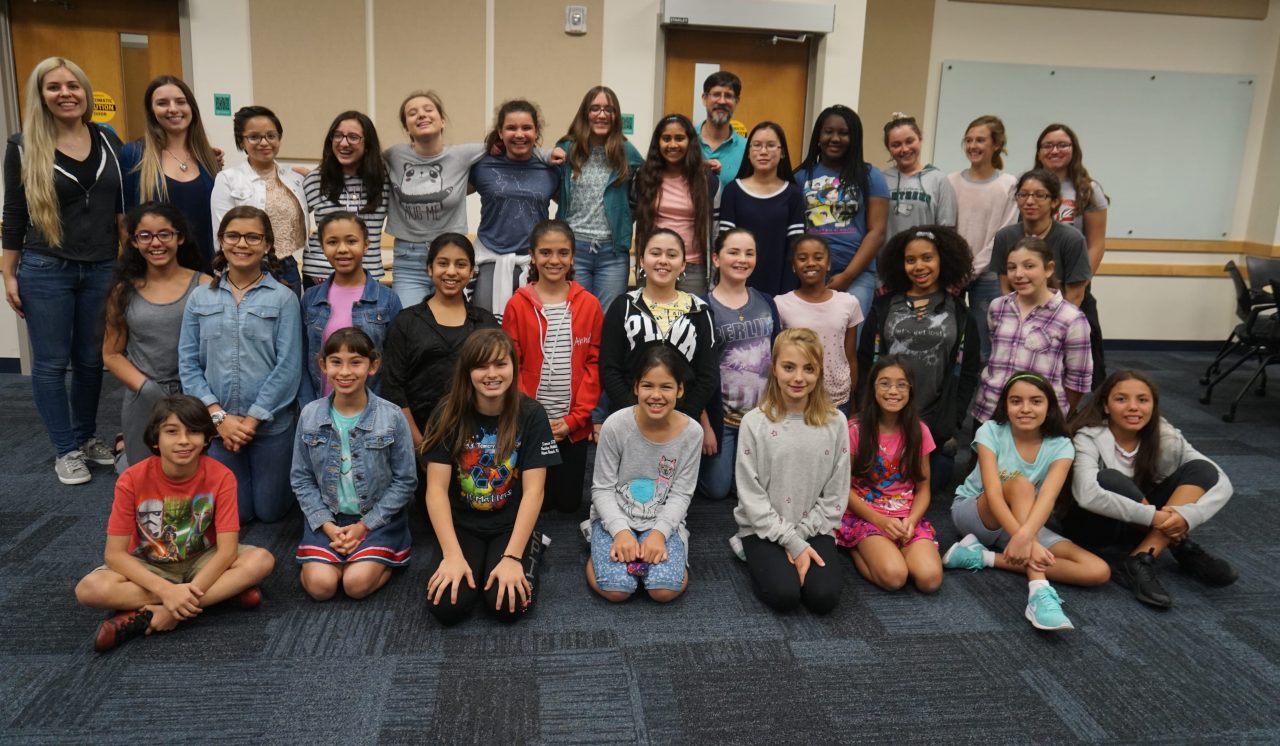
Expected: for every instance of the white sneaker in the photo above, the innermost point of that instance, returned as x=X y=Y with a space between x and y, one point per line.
x=98 y=452
x=71 y=469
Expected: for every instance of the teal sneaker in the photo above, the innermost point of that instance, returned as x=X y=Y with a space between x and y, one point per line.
x=965 y=554
x=1044 y=611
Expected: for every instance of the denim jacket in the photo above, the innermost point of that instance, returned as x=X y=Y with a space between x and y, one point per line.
x=382 y=463
x=246 y=357
x=373 y=314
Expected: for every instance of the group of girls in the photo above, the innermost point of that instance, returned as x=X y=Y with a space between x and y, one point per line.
x=744 y=322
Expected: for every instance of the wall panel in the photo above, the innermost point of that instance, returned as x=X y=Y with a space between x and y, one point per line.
x=535 y=59
x=436 y=45
x=308 y=65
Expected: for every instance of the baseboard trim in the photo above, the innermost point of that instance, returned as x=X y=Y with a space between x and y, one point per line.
x=1161 y=345
x=10 y=365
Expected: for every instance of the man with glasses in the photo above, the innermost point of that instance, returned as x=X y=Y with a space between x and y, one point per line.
x=721 y=92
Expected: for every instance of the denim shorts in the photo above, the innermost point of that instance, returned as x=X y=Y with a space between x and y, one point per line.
x=613 y=576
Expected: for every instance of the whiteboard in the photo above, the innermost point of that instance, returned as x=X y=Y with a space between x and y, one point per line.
x=1166 y=147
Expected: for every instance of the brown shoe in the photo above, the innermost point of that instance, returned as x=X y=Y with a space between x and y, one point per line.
x=120 y=628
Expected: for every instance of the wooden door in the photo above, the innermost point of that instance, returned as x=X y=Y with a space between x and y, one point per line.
x=775 y=79
x=120 y=44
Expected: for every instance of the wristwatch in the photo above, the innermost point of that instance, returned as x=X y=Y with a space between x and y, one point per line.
x=218 y=417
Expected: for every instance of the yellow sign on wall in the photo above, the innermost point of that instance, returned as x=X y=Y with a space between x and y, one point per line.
x=104 y=107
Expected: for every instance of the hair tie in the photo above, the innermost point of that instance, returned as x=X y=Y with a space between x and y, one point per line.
x=1027 y=377
x=899 y=115
x=925 y=234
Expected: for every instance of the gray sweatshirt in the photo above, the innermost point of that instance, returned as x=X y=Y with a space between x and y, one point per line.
x=1096 y=450
x=792 y=478
x=923 y=198
x=640 y=484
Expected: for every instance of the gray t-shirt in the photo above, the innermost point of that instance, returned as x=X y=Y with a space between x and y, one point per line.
x=1070 y=212
x=586 y=211
x=429 y=193
x=639 y=484
x=1070 y=254
x=745 y=336
x=923 y=198
x=923 y=334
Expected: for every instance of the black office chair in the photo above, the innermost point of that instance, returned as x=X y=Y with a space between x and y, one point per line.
x=1249 y=306
x=1261 y=270
x=1268 y=354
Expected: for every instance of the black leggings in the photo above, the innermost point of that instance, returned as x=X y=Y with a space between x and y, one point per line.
x=778 y=585
x=486 y=552
x=1094 y=530
x=564 y=482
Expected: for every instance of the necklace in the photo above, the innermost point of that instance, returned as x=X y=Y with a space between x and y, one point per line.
x=247 y=285
x=182 y=165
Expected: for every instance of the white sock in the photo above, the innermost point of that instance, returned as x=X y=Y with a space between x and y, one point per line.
x=1036 y=585
x=988 y=558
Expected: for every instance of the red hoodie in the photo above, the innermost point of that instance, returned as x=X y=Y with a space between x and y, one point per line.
x=525 y=323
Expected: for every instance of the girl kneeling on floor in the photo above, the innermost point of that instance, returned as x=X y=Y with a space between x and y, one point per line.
x=1139 y=484
x=354 y=473
x=487 y=451
x=884 y=527
x=793 y=482
x=1023 y=456
x=645 y=474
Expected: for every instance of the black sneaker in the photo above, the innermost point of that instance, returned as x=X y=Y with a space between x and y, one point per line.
x=1137 y=573
x=120 y=628
x=1199 y=564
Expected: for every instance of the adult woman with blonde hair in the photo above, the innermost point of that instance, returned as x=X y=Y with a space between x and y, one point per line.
x=173 y=161
x=62 y=224
x=595 y=181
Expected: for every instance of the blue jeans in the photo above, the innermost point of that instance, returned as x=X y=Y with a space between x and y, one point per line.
x=63 y=302
x=984 y=289
x=409 y=278
x=262 y=470
x=601 y=269
x=863 y=288
x=715 y=476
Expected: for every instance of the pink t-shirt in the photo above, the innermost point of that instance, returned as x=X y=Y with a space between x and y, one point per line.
x=830 y=320
x=675 y=211
x=885 y=487
x=341 y=299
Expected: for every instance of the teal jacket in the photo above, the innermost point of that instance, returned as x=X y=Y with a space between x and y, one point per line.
x=617 y=208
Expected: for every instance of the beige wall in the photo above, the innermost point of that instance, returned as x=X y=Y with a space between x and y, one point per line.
x=896 y=62
x=1264 y=215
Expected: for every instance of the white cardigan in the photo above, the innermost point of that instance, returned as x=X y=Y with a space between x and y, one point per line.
x=242 y=185
x=1096 y=450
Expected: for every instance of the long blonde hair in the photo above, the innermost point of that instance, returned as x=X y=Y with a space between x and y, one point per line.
x=39 y=141
x=819 y=408
x=151 y=182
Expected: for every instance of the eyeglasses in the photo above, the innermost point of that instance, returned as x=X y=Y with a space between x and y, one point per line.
x=250 y=239
x=1055 y=146
x=1040 y=196
x=606 y=110
x=884 y=384
x=350 y=137
x=255 y=138
x=146 y=237
x=767 y=147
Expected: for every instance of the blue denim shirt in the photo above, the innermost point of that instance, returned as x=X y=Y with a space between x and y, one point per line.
x=373 y=313
x=382 y=463
x=247 y=356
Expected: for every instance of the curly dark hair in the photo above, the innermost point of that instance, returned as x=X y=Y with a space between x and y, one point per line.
x=954 y=258
x=372 y=170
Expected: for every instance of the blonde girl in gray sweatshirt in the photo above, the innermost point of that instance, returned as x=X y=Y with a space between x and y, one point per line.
x=792 y=477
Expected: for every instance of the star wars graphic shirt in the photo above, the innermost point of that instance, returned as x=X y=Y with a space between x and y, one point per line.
x=168 y=521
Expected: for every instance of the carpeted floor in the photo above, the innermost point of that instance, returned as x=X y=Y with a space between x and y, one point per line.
x=713 y=667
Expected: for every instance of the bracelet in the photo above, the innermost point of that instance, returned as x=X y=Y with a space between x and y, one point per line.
x=513 y=557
